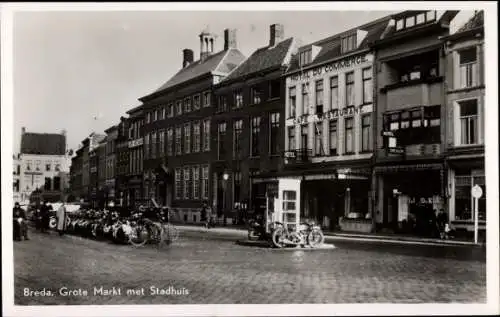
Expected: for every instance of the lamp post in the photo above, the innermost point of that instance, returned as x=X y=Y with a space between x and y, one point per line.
x=225 y=177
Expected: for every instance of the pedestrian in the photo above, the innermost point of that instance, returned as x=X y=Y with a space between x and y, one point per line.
x=44 y=217
x=208 y=211
x=442 y=220
x=20 y=224
x=61 y=219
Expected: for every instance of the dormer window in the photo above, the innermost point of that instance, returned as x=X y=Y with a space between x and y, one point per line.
x=305 y=57
x=348 y=43
x=415 y=20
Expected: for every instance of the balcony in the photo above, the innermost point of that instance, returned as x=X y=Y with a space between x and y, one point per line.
x=415 y=92
x=299 y=156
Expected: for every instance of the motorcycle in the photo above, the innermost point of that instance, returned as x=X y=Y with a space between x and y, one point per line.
x=308 y=234
x=256 y=231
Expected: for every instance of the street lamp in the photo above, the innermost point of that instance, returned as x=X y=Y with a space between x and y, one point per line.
x=225 y=177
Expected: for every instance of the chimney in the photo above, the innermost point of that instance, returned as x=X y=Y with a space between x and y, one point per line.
x=63 y=132
x=207 y=40
x=229 y=39
x=23 y=130
x=277 y=34
x=187 y=57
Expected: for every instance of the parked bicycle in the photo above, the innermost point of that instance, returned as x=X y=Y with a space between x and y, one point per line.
x=308 y=234
x=145 y=230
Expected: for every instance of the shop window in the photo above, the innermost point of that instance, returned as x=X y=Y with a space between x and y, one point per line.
x=57 y=183
x=464 y=203
x=48 y=183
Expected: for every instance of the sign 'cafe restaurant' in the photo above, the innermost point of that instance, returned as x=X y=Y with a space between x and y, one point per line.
x=328 y=131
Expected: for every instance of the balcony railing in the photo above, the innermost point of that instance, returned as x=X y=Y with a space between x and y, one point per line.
x=298 y=156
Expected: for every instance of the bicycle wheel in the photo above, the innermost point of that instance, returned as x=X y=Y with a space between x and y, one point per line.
x=139 y=235
x=169 y=233
x=315 y=238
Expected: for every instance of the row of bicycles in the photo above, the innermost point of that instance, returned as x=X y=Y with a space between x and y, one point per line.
x=137 y=229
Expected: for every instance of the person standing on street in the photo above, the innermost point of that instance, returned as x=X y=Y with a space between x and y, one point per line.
x=20 y=225
x=61 y=219
x=44 y=217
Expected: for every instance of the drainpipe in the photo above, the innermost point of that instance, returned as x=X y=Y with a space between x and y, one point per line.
x=374 y=191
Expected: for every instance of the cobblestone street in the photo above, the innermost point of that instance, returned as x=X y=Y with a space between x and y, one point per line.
x=216 y=271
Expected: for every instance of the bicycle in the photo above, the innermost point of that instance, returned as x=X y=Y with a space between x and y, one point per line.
x=144 y=230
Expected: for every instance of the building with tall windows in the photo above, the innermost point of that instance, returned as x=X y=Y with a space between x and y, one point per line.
x=43 y=164
x=409 y=173
x=178 y=129
x=249 y=122
x=329 y=115
x=137 y=192
x=465 y=112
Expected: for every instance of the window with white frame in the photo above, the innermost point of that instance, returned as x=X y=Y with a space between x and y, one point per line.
x=178 y=105
x=161 y=149
x=318 y=139
x=204 y=181
x=334 y=92
x=237 y=131
x=153 y=145
x=170 y=110
x=196 y=137
x=206 y=135
x=367 y=86
x=196 y=102
x=187 y=182
x=196 y=181
x=170 y=141
x=319 y=96
x=468 y=67
x=305 y=98
x=187 y=138
x=238 y=98
x=348 y=43
x=349 y=89
x=274 y=129
x=291 y=138
x=256 y=93
x=305 y=57
x=289 y=200
x=178 y=140
x=469 y=117
x=349 y=135
x=206 y=99
x=333 y=136
x=221 y=136
x=178 y=183
x=366 y=133
x=292 y=101
x=187 y=104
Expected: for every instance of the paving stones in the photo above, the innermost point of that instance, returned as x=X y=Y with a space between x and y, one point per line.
x=221 y=272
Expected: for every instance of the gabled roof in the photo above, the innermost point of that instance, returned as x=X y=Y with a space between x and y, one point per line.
x=43 y=143
x=263 y=58
x=330 y=47
x=475 y=22
x=221 y=62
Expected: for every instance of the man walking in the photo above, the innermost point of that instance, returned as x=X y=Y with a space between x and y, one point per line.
x=61 y=219
x=20 y=225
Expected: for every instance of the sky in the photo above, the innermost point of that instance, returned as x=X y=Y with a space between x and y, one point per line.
x=80 y=71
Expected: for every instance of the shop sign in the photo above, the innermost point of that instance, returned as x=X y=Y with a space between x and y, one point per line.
x=347 y=62
x=421 y=200
x=331 y=114
x=134 y=143
x=396 y=150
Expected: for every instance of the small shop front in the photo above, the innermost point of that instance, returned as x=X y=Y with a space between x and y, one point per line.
x=336 y=199
x=462 y=176
x=408 y=196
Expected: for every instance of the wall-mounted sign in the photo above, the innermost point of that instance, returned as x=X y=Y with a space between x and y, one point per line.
x=331 y=114
x=421 y=200
x=134 y=143
x=396 y=150
x=347 y=62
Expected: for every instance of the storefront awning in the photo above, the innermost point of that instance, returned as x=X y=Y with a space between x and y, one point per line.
x=408 y=168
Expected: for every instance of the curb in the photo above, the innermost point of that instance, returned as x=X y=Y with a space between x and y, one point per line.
x=350 y=237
